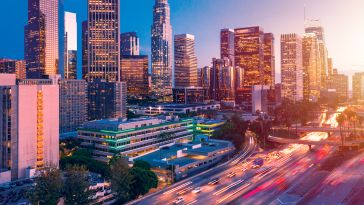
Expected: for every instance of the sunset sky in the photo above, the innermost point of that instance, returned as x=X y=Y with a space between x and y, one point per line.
x=343 y=21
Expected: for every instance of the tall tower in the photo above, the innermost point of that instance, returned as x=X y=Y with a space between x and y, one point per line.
x=185 y=61
x=104 y=40
x=41 y=38
x=161 y=49
x=291 y=65
x=227 y=44
x=70 y=46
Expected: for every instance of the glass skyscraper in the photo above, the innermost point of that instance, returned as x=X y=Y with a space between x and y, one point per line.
x=161 y=49
x=104 y=40
x=41 y=38
x=70 y=46
x=129 y=43
x=227 y=44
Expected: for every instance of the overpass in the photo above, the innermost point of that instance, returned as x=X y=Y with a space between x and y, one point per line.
x=323 y=129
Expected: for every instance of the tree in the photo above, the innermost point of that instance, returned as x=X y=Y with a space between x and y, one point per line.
x=48 y=187
x=340 y=120
x=76 y=187
x=142 y=164
x=120 y=179
x=142 y=181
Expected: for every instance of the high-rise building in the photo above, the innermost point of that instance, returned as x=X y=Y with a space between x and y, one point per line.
x=70 y=46
x=227 y=44
x=162 y=49
x=185 y=61
x=134 y=71
x=314 y=26
x=358 y=86
x=29 y=126
x=188 y=95
x=269 y=60
x=330 y=67
x=106 y=99
x=204 y=77
x=84 y=50
x=291 y=66
x=72 y=106
x=41 y=38
x=222 y=80
x=129 y=44
x=311 y=67
x=104 y=40
x=339 y=83
x=12 y=66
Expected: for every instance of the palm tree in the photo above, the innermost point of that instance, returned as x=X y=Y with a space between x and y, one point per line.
x=340 y=120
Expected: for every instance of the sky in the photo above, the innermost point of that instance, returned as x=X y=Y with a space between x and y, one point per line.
x=343 y=21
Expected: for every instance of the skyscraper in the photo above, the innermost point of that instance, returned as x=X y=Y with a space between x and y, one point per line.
x=227 y=44
x=330 y=67
x=339 y=83
x=161 y=49
x=30 y=122
x=185 y=61
x=311 y=66
x=134 y=71
x=129 y=44
x=12 y=66
x=104 y=40
x=41 y=38
x=314 y=26
x=291 y=65
x=70 y=46
x=222 y=80
x=358 y=86
x=84 y=50
x=269 y=60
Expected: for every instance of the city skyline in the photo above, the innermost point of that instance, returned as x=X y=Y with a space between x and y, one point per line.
x=205 y=50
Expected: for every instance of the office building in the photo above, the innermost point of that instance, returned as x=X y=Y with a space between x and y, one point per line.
x=339 y=83
x=84 y=50
x=41 y=39
x=129 y=44
x=185 y=61
x=106 y=99
x=222 y=80
x=330 y=66
x=134 y=71
x=204 y=75
x=188 y=95
x=108 y=137
x=173 y=108
x=72 y=106
x=358 y=86
x=311 y=67
x=70 y=46
x=314 y=26
x=29 y=126
x=291 y=67
x=104 y=40
x=12 y=66
x=162 y=49
x=227 y=45
x=268 y=60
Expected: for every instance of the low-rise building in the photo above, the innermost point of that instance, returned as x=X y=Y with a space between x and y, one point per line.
x=186 y=159
x=207 y=127
x=106 y=138
x=172 y=108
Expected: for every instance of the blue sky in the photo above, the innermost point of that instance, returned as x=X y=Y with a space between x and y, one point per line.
x=343 y=22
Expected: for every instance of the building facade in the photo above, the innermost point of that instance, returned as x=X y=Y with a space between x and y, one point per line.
x=188 y=95
x=227 y=45
x=41 y=39
x=133 y=137
x=162 y=73
x=104 y=40
x=129 y=44
x=134 y=71
x=72 y=106
x=84 y=50
x=70 y=46
x=291 y=66
x=12 y=66
x=339 y=83
x=30 y=122
x=358 y=86
x=106 y=99
x=185 y=61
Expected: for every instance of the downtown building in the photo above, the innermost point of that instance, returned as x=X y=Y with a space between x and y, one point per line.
x=134 y=71
x=106 y=138
x=11 y=66
x=338 y=84
x=358 y=86
x=72 y=106
x=29 y=126
x=41 y=39
x=254 y=54
x=311 y=67
x=129 y=44
x=162 y=50
x=291 y=67
x=222 y=80
x=70 y=46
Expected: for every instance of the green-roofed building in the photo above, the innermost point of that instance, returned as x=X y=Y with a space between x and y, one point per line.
x=133 y=137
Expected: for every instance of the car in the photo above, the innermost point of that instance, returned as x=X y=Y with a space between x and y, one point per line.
x=231 y=174
x=214 y=181
x=196 y=190
x=183 y=191
x=179 y=200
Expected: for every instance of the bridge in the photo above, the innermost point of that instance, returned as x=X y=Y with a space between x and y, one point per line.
x=323 y=129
